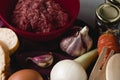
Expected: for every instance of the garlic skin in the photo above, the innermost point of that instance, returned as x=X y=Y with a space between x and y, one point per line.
x=73 y=45
x=43 y=61
x=86 y=38
x=78 y=44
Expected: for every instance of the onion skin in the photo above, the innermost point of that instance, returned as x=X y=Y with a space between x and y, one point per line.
x=68 y=70
x=73 y=69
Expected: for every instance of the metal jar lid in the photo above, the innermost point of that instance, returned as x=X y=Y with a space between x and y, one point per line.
x=108 y=13
x=117 y=2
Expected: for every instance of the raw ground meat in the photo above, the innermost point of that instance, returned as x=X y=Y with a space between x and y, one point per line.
x=39 y=15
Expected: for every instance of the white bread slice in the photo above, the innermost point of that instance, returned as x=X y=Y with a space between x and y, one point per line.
x=4 y=62
x=10 y=39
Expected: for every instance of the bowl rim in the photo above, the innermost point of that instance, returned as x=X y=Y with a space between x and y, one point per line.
x=70 y=23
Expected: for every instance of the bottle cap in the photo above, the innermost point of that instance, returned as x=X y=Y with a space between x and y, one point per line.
x=108 y=13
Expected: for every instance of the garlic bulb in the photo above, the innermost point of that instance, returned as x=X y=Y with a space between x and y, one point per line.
x=73 y=45
x=78 y=44
x=86 y=38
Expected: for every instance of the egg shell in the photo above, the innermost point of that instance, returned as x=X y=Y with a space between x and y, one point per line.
x=26 y=74
x=113 y=68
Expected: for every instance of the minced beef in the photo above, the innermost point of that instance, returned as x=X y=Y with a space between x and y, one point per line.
x=39 y=15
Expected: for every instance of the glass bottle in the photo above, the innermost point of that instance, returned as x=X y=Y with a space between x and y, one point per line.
x=115 y=2
x=108 y=18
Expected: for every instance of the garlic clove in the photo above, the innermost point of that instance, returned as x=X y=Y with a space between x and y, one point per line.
x=42 y=60
x=86 y=38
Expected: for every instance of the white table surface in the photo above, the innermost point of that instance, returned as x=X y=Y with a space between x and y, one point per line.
x=87 y=10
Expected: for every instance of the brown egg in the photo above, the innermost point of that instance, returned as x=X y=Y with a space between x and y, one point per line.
x=26 y=74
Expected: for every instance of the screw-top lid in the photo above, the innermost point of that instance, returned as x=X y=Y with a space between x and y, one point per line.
x=108 y=13
x=117 y=2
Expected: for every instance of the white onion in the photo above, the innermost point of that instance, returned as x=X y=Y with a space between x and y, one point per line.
x=68 y=70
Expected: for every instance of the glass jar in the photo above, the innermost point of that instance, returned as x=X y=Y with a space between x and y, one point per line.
x=108 y=18
x=115 y=2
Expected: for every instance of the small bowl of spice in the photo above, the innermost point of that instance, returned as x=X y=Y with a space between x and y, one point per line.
x=39 y=20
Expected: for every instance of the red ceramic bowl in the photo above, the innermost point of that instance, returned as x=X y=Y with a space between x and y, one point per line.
x=71 y=6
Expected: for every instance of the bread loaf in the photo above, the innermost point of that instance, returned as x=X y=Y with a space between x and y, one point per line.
x=10 y=39
x=4 y=61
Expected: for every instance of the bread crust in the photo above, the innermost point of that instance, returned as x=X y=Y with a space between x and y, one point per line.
x=10 y=39
x=4 y=62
